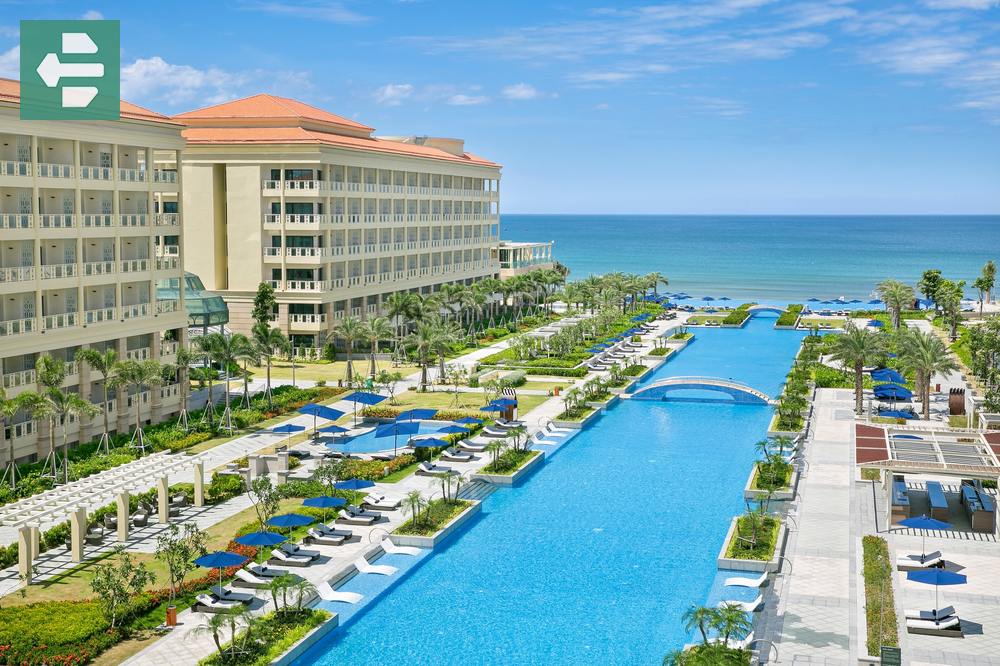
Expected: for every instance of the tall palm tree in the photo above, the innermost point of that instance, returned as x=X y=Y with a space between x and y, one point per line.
x=8 y=407
x=925 y=355
x=246 y=353
x=448 y=333
x=64 y=407
x=700 y=618
x=104 y=363
x=856 y=348
x=376 y=330
x=896 y=297
x=269 y=342
x=399 y=307
x=351 y=331
x=50 y=373
x=732 y=622
x=138 y=376
x=657 y=278
x=422 y=342
x=185 y=357
x=202 y=352
x=224 y=350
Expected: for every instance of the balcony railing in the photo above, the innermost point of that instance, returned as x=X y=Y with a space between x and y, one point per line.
x=164 y=176
x=135 y=311
x=133 y=219
x=65 y=320
x=100 y=315
x=168 y=348
x=54 y=170
x=17 y=274
x=134 y=265
x=56 y=271
x=169 y=391
x=15 y=168
x=16 y=220
x=168 y=251
x=307 y=318
x=20 y=378
x=18 y=326
x=95 y=172
x=57 y=220
x=132 y=175
x=166 y=306
x=168 y=263
x=98 y=268
x=167 y=219
x=91 y=220
x=141 y=354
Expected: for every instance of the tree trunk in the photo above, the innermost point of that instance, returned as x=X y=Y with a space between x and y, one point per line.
x=270 y=402
x=858 y=386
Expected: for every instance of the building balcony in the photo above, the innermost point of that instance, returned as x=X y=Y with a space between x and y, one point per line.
x=134 y=265
x=133 y=220
x=168 y=347
x=57 y=321
x=16 y=221
x=168 y=263
x=131 y=175
x=137 y=311
x=15 y=168
x=293 y=187
x=307 y=322
x=100 y=315
x=57 y=220
x=140 y=354
x=167 y=306
x=96 y=173
x=315 y=286
x=164 y=176
x=18 y=326
x=98 y=268
x=166 y=219
x=168 y=251
x=17 y=274
x=44 y=170
x=57 y=271
x=98 y=220
x=19 y=379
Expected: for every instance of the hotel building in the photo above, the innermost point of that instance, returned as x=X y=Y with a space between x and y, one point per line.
x=334 y=218
x=517 y=258
x=89 y=224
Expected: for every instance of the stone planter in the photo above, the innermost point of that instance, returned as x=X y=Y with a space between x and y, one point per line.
x=783 y=494
x=307 y=642
x=604 y=404
x=442 y=534
x=759 y=566
x=577 y=425
x=512 y=479
x=618 y=390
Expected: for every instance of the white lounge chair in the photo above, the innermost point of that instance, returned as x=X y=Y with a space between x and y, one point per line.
x=317 y=537
x=265 y=572
x=466 y=445
x=326 y=530
x=739 y=644
x=430 y=469
x=491 y=431
x=358 y=511
x=746 y=606
x=932 y=615
x=391 y=548
x=746 y=582
x=246 y=578
x=951 y=626
x=381 y=502
x=453 y=455
x=225 y=594
x=550 y=429
x=208 y=604
x=539 y=438
x=366 y=567
x=299 y=551
x=504 y=423
x=327 y=593
x=348 y=519
x=281 y=557
x=915 y=562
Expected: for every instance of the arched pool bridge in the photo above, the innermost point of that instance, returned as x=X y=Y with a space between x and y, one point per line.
x=739 y=392
x=766 y=308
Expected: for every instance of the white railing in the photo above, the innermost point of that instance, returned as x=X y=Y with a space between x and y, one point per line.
x=135 y=311
x=141 y=354
x=304 y=251
x=134 y=265
x=337 y=283
x=168 y=251
x=167 y=219
x=168 y=263
x=169 y=391
x=164 y=176
x=272 y=252
x=100 y=315
x=306 y=285
x=20 y=378
x=15 y=168
x=95 y=172
x=65 y=320
x=167 y=347
x=17 y=274
x=18 y=326
x=98 y=220
x=16 y=220
x=133 y=219
x=57 y=220
x=166 y=306
x=56 y=271
x=307 y=318
x=132 y=175
x=143 y=399
x=98 y=267
x=54 y=170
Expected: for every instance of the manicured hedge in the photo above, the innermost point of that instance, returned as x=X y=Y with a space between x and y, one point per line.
x=791 y=316
x=880 y=611
x=550 y=371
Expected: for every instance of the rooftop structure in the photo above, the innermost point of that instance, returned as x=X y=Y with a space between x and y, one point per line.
x=522 y=257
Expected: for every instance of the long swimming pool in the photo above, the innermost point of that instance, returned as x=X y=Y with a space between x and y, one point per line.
x=595 y=557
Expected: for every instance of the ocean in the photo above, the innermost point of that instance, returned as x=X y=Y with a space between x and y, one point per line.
x=770 y=258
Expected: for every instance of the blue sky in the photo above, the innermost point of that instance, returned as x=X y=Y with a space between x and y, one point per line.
x=710 y=106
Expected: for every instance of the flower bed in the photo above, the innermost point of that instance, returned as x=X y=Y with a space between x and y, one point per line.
x=433 y=518
x=374 y=470
x=880 y=611
x=270 y=637
x=741 y=546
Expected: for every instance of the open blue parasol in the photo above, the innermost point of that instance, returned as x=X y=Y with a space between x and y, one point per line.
x=924 y=523
x=353 y=484
x=428 y=443
x=320 y=411
x=411 y=414
x=395 y=429
x=364 y=398
x=936 y=577
x=888 y=375
x=453 y=430
x=220 y=559
x=471 y=420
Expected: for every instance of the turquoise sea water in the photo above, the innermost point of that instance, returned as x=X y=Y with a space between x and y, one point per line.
x=594 y=559
x=780 y=258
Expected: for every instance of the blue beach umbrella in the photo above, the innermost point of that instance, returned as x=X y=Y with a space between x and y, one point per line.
x=428 y=443
x=470 y=420
x=813 y=300
x=220 y=559
x=924 y=523
x=324 y=502
x=875 y=301
x=875 y=323
x=334 y=429
x=855 y=300
x=936 y=577
x=320 y=411
x=906 y=437
x=287 y=429
x=395 y=429
x=353 y=484
x=364 y=398
x=596 y=350
x=888 y=375
x=491 y=408
x=260 y=540
x=504 y=402
x=639 y=318
x=411 y=414
x=707 y=298
x=896 y=414
x=453 y=430
x=290 y=520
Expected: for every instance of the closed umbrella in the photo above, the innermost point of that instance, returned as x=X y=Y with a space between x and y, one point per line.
x=936 y=577
x=924 y=523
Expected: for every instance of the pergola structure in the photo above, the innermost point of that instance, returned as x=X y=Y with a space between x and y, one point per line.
x=972 y=455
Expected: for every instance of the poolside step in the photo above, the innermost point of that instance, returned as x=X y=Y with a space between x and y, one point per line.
x=476 y=490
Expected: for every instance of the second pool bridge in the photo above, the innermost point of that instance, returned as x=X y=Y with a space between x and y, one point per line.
x=740 y=393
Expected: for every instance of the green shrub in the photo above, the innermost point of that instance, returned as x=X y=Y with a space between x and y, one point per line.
x=880 y=612
x=374 y=470
x=273 y=635
x=742 y=545
x=516 y=377
x=635 y=370
x=224 y=486
x=789 y=317
x=736 y=317
x=660 y=351
x=54 y=632
x=433 y=517
x=187 y=441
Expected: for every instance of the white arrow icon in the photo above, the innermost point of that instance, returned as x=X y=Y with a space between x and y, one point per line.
x=51 y=70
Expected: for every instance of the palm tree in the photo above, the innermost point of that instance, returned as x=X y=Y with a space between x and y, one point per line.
x=8 y=407
x=448 y=333
x=415 y=502
x=50 y=374
x=896 y=296
x=137 y=375
x=185 y=357
x=422 y=341
x=225 y=351
x=856 y=348
x=732 y=622
x=245 y=352
x=375 y=331
x=399 y=307
x=656 y=278
x=214 y=624
x=269 y=342
x=104 y=363
x=700 y=618
x=925 y=355
x=351 y=331
x=64 y=407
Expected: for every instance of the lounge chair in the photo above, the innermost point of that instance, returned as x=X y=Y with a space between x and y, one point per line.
x=358 y=511
x=382 y=456
x=738 y=644
x=430 y=469
x=453 y=455
x=491 y=431
x=366 y=567
x=932 y=615
x=321 y=539
x=281 y=557
x=951 y=626
x=262 y=571
x=298 y=551
x=746 y=582
x=745 y=606
x=327 y=593
x=466 y=445
x=205 y=603
x=391 y=548
x=326 y=530
x=225 y=594
x=539 y=438
x=382 y=503
x=347 y=519
x=916 y=562
x=557 y=432
x=504 y=423
x=246 y=578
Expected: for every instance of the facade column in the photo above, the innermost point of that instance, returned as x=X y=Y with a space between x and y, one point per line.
x=199 y=484
x=77 y=534
x=124 y=515
x=163 y=500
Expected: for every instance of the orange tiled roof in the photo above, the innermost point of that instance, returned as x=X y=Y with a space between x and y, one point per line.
x=10 y=91
x=270 y=107
x=197 y=136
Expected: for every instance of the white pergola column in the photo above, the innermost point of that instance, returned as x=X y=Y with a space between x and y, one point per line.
x=77 y=533
x=24 y=554
x=163 y=499
x=35 y=534
x=124 y=515
x=199 y=484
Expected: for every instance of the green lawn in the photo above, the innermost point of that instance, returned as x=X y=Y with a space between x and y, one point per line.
x=809 y=322
x=547 y=385
x=329 y=372
x=701 y=319
x=466 y=400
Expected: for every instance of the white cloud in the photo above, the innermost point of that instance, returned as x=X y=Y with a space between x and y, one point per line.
x=10 y=63
x=923 y=55
x=718 y=106
x=603 y=106
x=962 y=4
x=520 y=91
x=92 y=15
x=393 y=94
x=331 y=12
x=602 y=77
x=467 y=100
x=8 y=31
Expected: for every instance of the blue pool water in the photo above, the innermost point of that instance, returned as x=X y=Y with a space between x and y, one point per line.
x=595 y=558
x=369 y=443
